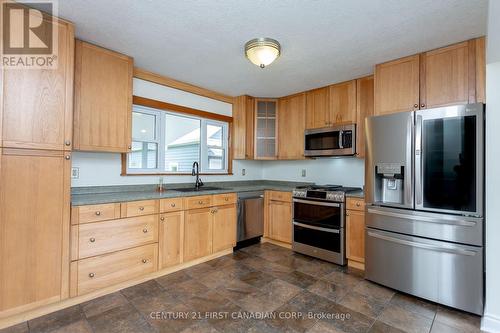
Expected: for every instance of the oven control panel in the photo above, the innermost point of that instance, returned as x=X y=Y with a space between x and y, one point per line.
x=335 y=196
x=299 y=193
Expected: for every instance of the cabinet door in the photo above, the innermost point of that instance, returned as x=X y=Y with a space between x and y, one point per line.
x=317 y=103
x=197 y=233
x=266 y=115
x=280 y=221
x=397 y=85
x=446 y=80
x=34 y=228
x=355 y=239
x=224 y=229
x=103 y=99
x=250 y=128
x=170 y=239
x=37 y=105
x=364 y=108
x=291 y=126
x=243 y=119
x=342 y=103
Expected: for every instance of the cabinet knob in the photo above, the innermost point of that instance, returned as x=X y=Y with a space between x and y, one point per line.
x=67 y=143
x=226 y=199
x=162 y=218
x=91 y=275
x=67 y=157
x=145 y=230
x=141 y=208
x=347 y=214
x=415 y=106
x=172 y=205
x=200 y=202
x=422 y=105
x=358 y=204
x=129 y=147
x=92 y=239
x=98 y=213
x=144 y=261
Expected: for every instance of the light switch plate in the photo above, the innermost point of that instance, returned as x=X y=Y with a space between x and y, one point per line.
x=303 y=172
x=243 y=172
x=75 y=173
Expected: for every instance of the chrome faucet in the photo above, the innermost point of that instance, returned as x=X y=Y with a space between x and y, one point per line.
x=196 y=172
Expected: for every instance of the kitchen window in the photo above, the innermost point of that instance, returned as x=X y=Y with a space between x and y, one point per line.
x=169 y=142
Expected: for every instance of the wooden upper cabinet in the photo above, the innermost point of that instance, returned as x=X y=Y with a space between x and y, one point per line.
x=243 y=128
x=266 y=129
x=34 y=228
x=445 y=78
x=317 y=106
x=364 y=108
x=397 y=85
x=291 y=126
x=103 y=99
x=36 y=107
x=342 y=103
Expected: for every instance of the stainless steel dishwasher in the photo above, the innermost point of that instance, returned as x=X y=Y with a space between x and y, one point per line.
x=250 y=216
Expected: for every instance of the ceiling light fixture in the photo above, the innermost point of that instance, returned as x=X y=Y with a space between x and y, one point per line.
x=262 y=51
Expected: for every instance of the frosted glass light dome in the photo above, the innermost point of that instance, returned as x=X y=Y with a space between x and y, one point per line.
x=262 y=51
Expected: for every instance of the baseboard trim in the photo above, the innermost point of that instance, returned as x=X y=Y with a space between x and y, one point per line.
x=46 y=309
x=275 y=242
x=490 y=323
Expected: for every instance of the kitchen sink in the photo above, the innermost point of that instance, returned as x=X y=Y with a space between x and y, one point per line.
x=194 y=189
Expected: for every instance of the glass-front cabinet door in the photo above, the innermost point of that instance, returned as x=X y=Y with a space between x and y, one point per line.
x=449 y=159
x=266 y=129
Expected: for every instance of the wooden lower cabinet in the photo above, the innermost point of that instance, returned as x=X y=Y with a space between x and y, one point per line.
x=280 y=221
x=355 y=233
x=34 y=228
x=171 y=238
x=197 y=233
x=224 y=228
x=109 y=269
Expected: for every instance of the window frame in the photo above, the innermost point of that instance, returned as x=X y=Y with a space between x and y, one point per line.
x=160 y=127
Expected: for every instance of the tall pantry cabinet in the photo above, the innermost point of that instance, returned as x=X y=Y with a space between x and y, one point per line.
x=36 y=107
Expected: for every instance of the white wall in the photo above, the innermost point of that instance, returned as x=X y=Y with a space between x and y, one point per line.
x=491 y=319
x=347 y=171
x=99 y=169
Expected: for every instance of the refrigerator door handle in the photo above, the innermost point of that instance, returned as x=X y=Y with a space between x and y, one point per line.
x=418 y=162
x=452 y=250
x=428 y=219
x=408 y=191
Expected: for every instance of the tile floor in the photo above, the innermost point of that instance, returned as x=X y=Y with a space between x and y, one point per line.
x=261 y=279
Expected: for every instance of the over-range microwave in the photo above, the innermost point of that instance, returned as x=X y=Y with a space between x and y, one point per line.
x=331 y=141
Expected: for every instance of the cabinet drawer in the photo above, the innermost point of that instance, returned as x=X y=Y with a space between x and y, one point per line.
x=355 y=204
x=280 y=196
x=171 y=205
x=95 y=213
x=137 y=208
x=201 y=201
x=106 y=270
x=224 y=199
x=108 y=236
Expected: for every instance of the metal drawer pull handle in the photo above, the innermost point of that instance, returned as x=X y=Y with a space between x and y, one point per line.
x=172 y=205
x=91 y=275
x=307 y=226
x=92 y=239
x=144 y=261
x=145 y=230
x=423 y=245
x=423 y=218
x=162 y=218
x=98 y=213
x=141 y=208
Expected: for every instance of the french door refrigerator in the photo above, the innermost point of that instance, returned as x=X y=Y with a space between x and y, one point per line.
x=424 y=193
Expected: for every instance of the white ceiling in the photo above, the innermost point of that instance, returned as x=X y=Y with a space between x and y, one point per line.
x=323 y=41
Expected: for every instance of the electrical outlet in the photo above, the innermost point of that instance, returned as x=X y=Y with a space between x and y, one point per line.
x=303 y=172
x=75 y=173
x=243 y=172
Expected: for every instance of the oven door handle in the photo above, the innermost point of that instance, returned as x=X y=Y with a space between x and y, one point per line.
x=307 y=226
x=317 y=203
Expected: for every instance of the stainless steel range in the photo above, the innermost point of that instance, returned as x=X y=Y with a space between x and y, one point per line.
x=319 y=221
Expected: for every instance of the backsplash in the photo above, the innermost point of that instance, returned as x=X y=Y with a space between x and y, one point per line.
x=103 y=169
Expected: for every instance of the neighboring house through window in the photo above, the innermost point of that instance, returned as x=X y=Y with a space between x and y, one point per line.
x=169 y=142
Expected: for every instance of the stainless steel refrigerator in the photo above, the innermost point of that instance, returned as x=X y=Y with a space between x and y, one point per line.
x=424 y=193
